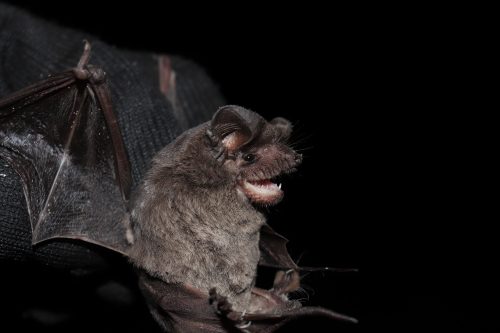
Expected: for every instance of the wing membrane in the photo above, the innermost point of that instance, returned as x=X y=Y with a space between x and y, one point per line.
x=56 y=137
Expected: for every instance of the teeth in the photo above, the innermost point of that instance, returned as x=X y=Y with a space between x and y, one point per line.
x=264 y=191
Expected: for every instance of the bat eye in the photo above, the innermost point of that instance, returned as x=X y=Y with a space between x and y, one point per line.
x=249 y=157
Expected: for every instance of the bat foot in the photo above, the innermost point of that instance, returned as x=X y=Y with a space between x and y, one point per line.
x=220 y=303
x=224 y=308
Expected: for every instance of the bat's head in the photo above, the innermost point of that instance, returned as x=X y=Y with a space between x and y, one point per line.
x=253 y=151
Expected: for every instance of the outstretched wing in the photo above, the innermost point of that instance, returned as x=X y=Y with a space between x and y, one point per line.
x=61 y=136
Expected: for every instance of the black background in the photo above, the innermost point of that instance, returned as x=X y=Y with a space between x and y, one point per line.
x=372 y=96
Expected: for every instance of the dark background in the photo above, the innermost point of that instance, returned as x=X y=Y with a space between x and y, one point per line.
x=372 y=94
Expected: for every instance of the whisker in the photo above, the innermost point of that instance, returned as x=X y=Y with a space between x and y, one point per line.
x=304 y=149
x=301 y=256
x=307 y=289
x=294 y=140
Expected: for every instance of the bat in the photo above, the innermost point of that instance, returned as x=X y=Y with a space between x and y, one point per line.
x=193 y=228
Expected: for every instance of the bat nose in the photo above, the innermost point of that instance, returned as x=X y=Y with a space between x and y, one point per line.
x=298 y=158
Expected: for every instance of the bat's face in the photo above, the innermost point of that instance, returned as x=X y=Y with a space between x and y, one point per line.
x=256 y=153
x=260 y=166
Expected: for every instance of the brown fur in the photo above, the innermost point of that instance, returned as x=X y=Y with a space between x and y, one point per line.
x=191 y=223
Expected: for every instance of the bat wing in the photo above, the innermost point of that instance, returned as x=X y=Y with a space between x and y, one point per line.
x=61 y=136
x=273 y=252
x=271 y=322
x=181 y=308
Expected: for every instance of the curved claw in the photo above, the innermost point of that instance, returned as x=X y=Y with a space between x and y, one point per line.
x=80 y=71
x=84 y=59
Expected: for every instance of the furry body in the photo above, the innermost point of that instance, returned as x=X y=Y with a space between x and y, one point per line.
x=192 y=221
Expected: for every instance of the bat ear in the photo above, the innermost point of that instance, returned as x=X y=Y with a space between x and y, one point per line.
x=234 y=126
x=283 y=127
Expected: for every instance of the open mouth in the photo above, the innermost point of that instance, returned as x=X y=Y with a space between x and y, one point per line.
x=263 y=191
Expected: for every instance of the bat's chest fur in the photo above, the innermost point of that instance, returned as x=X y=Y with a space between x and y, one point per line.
x=230 y=267
x=210 y=243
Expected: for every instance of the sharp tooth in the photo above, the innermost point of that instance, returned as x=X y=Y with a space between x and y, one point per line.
x=279 y=186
